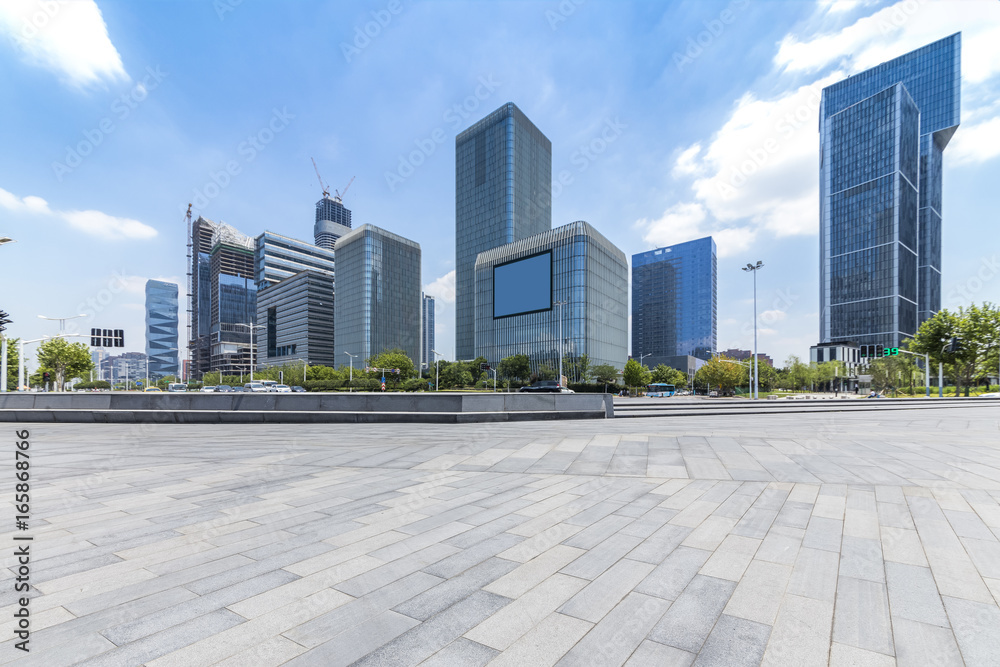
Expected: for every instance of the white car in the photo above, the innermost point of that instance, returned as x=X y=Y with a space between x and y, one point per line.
x=255 y=387
x=992 y=394
x=282 y=389
x=207 y=389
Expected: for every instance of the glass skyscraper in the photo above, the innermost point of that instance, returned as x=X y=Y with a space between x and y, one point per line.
x=674 y=297
x=161 y=328
x=427 y=331
x=233 y=300
x=503 y=193
x=882 y=137
x=518 y=285
x=296 y=321
x=377 y=306
x=333 y=220
x=278 y=257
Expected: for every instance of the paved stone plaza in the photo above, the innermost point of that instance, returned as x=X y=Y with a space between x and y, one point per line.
x=806 y=539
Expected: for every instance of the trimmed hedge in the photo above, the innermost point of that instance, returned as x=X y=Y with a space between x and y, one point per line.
x=589 y=388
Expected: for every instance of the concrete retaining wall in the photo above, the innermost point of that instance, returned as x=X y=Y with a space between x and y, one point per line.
x=313 y=407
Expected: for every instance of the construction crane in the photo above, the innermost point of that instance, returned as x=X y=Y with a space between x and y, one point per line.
x=326 y=190
x=340 y=195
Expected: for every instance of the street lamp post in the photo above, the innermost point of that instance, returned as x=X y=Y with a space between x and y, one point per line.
x=560 y=304
x=250 y=326
x=754 y=269
x=437 y=374
x=350 y=385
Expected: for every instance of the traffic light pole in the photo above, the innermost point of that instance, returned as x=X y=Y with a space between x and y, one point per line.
x=927 y=369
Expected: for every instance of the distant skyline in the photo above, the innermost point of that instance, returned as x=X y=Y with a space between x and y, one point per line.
x=668 y=122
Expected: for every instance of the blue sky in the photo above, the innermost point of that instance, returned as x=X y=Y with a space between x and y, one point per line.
x=668 y=121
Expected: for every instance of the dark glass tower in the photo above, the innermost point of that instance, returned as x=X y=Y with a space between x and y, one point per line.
x=674 y=292
x=882 y=136
x=503 y=193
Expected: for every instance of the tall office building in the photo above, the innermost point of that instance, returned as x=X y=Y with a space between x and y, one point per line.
x=161 y=329
x=378 y=294
x=296 y=318
x=278 y=257
x=200 y=295
x=427 y=331
x=674 y=296
x=233 y=301
x=503 y=193
x=519 y=286
x=333 y=220
x=882 y=137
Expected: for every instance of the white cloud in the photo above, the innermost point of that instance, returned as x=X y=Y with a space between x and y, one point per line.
x=94 y=223
x=974 y=144
x=107 y=226
x=687 y=164
x=66 y=36
x=897 y=29
x=29 y=204
x=443 y=289
x=686 y=222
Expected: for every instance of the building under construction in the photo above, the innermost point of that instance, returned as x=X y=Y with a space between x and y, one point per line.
x=223 y=299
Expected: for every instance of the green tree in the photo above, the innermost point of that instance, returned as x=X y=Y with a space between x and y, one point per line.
x=635 y=374
x=515 y=367
x=13 y=345
x=67 y=361
x=545 y=372
x=605 y=374
x=455 y=375
x=395 y=358
x=577 y=369
x=978 y=331
x=473 y=368
x=722 y=373
x=768 y=379
x=797 y=374
x=668 y=375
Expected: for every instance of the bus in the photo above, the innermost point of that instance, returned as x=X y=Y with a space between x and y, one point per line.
x=660 y=390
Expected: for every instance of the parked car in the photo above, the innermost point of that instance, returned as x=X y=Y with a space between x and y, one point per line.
x=282 y=389
x=176 y=386
x=992 y=394
x=269 y=385
x=298 y=390
x=153 y=389
x=223 y=388
x=255 y=387
x=713 y=394
x=237 y=388
x=546 y=387
x=207 y=389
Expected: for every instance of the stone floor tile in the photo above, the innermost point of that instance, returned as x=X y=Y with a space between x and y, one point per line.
x=691 y=617
x=801 y=634
x=606 y=591
x=919 y=644
x=759 y=593
x=545 y=643
x=731 y=559
x=650 y=653
x=977 y=628
x=734 y=642
x=913 y=595
x=612 y=641
x=861 y=617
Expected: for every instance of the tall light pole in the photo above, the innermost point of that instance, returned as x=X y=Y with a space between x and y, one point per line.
x=560 y=304
x=253 y=350
x=754 y=269
x=437 y=374
x=350 y=385
x=4 y=321
x=643 y=356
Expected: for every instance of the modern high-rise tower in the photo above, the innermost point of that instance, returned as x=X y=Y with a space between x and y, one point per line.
x=333 y=220
x=161 y=328
x=882 y=135
x=674 y=301
x=503 y=193
x=427 y=331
